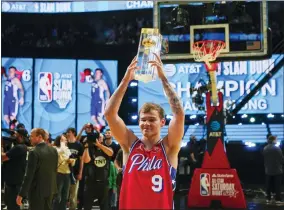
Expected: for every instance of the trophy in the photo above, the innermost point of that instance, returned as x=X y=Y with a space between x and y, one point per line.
x=150 y=42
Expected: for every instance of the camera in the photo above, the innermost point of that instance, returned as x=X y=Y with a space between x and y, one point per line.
x=8 y=140
x=92 y=137
x=13 y=137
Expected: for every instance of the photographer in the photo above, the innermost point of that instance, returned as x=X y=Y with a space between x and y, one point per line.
x=96 y=156
x=89 y=129
x=15 y=164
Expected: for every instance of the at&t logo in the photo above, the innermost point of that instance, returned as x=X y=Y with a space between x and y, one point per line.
x=215 y=126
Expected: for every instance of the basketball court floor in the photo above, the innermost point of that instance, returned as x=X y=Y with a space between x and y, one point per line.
x=252 y=204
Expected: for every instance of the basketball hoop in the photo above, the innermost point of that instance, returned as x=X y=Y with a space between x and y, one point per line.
x=207 y=51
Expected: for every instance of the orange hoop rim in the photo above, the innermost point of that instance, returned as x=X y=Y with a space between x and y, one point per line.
x=207 y=50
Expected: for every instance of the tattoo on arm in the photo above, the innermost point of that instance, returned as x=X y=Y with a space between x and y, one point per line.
x=173 y=98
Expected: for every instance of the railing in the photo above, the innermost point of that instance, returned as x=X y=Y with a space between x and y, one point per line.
x=255 y=133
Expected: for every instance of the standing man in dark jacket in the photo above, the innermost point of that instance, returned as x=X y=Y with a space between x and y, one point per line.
x=40 y=179
x=273 y=162
x=15 y=160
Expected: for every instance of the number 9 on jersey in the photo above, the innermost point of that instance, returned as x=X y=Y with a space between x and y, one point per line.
x=157 y=182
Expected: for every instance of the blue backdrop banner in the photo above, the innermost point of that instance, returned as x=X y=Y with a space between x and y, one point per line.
x=237 y=78
x=16 y=82
x=97 y=80
x=55 y=95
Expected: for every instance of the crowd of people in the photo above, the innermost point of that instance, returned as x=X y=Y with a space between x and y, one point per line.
x=73 y=163
x=78 y=181
x=106 y=28
x=75 y=167
x=86 y=30
x=111 y=32
x=75 y=170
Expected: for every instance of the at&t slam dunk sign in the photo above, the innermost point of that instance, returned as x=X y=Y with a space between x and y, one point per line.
x=55 y=87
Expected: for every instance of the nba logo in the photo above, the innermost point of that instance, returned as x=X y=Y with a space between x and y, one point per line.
x=45 y=86
x=205 y=184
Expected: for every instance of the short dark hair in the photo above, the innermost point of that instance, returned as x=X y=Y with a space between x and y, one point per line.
x=271 y=139
x=12 y=67
x=267 y=136
x=20 y=125
x=99 y=69
x=57 y=141
x=90 y=125
x=107 y=130
x=73 y=130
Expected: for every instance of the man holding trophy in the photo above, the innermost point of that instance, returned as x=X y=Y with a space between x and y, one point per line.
x=150 y=163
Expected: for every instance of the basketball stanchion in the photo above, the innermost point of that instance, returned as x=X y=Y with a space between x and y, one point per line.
x=215 y=183
x=207 y=51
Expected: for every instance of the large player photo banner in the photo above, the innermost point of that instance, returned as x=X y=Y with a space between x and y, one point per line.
x=16 y=75
x=97 y=80
x=55 y=95
x=236 y=78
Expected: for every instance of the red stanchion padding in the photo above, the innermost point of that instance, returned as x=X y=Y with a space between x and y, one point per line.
x=212 y=67
x=216 y=184
x=218 y=159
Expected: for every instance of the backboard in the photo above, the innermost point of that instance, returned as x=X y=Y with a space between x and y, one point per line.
x=242 y=25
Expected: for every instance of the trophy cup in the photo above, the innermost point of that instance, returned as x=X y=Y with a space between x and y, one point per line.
x=150 y=42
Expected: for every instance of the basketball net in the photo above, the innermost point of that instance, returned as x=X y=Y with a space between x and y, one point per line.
x=207 y=51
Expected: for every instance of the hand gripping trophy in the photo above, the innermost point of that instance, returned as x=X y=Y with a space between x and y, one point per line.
x=150 y=43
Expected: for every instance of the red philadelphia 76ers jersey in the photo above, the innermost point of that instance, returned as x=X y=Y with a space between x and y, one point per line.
x=148 y=179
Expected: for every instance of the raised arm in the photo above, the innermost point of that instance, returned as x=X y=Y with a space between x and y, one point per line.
x=80 y=133
x=176 y=126
x=118 y=128
x=86 y=156
x=107 y=150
